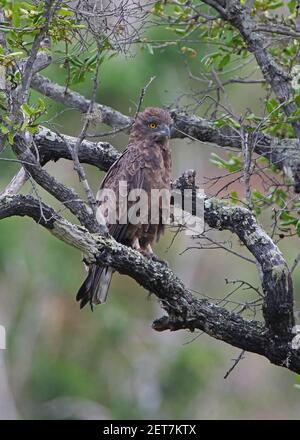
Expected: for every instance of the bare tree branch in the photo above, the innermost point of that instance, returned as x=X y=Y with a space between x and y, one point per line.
x=62 y=193
x=73 y=99
x=273 y=338
x=280 y=152
x=185 y=311
x=278 y=309
x=284 y=153
x=53 y=147
x=275 y=275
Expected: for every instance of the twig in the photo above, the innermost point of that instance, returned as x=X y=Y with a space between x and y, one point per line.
x=247 y=168
x=236 y=361
x=142 y=95
x=74 y=151
x=296 y=261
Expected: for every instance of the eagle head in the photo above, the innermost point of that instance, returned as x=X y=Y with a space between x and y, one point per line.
x=153 y=124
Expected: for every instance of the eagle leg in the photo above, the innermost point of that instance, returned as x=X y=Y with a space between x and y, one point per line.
x=136 y=244
x=148 y=253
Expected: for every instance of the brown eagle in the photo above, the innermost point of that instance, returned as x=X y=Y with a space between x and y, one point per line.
x=144 y=165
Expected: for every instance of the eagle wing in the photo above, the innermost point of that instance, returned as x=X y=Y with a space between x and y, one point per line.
x=129 y=168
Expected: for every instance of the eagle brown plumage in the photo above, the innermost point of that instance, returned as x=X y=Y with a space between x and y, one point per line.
x=146 y=165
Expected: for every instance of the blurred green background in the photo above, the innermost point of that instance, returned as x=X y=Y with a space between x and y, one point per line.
x=61 y=362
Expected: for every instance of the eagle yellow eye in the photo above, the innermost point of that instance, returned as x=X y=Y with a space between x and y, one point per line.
x=152 y=125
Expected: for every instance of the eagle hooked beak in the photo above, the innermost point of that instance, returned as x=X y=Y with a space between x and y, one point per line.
x=165 y=131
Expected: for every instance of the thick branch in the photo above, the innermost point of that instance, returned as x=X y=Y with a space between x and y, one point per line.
x=42 y=60
x=54 y=147
x=184 y=310
x=275 y=275
x=276 y=279
x=282 y=152
x=73 y=99
x=62 y=193
x=274 y=340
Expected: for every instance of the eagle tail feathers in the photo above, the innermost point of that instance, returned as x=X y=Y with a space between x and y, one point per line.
x=94 y=289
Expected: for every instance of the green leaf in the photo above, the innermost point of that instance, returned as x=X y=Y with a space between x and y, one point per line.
x=79 y=26
x=16 y=14
x=220 y=123
x=224 y=61
x=234 y=123
x=233 y=164
x=27 y=110
x=41 y=105
x=298 y=228
x=33 y=129
x=92 y=59
x=76 y=61
x=65 y=12
x=275 y=5
x=180 y=31
x=258 y=196
x=297 y=100
x=217 y=160
x=158 y=8
x=234 y=197
x=292 y=6
x=287 y=219
x=4 y=129
x=28 y=6
x=271 y=105
x=227 y=121
x=10 y=137
x=279 y=196
x=150 y=48
x=295 y=116
x=24 y=125
x=229 y=37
